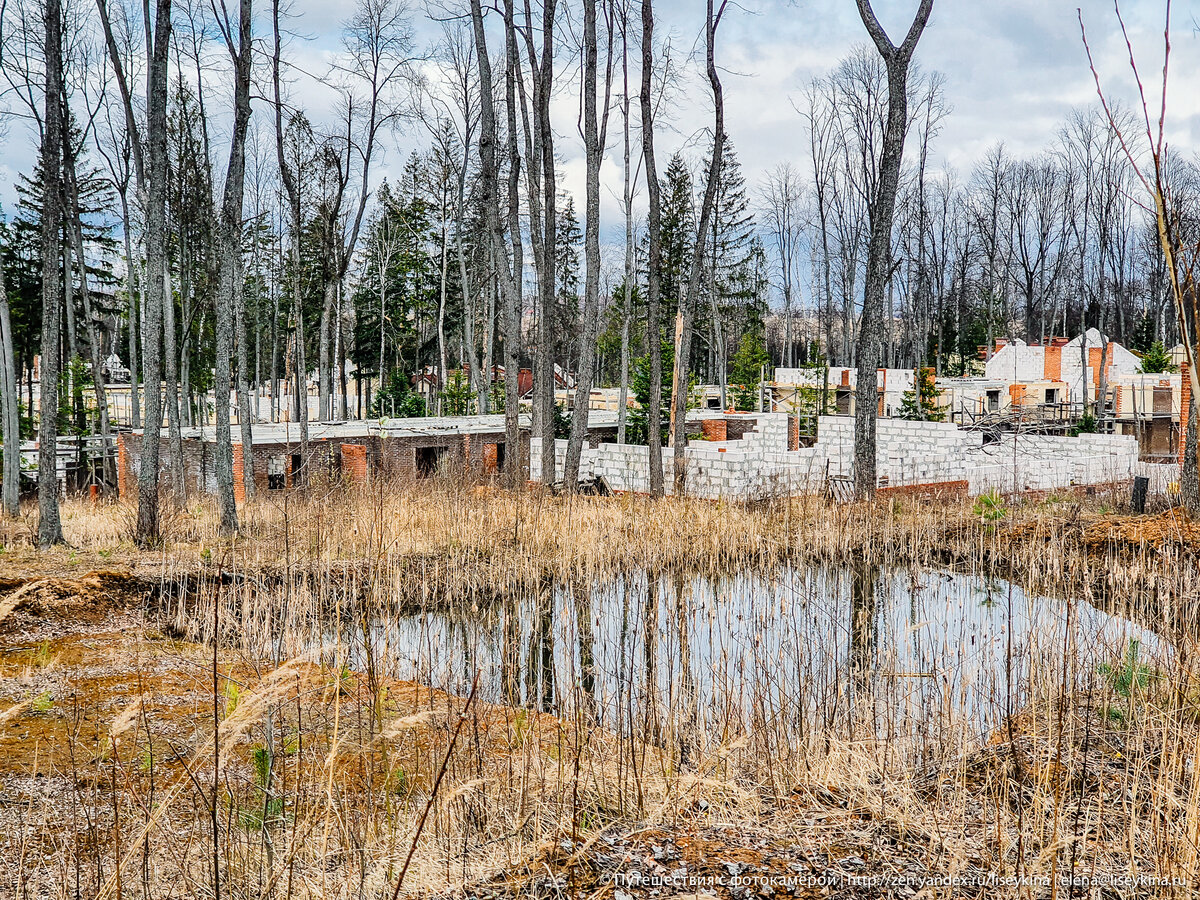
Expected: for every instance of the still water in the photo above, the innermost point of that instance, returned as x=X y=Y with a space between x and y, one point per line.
x=805 y=647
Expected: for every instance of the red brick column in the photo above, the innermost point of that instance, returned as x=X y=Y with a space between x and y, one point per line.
x=1185 y=408
x=1052 y=363
x=715 y=429
x=122 y=467
x=239 y=483
x=793 y=433
x=354 y=463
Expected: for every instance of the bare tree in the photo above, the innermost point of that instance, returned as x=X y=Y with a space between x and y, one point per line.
x=289 y=175
x=10 y=414
x=490 y=186
x=1180 y=249
x=230 y=300
x=149 y=152
x=683 y=343
x=595 y=131
x=630 y=176
x=654 y=254
x=378 y=42
x=783 y=196
x=49 y=524
x=883 y=205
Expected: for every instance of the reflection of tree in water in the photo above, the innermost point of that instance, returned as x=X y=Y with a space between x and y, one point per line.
x=539 y=676
x=864 y=609
x=587 y=656
x=687 y=686
x=511 y=652
x=650 y=661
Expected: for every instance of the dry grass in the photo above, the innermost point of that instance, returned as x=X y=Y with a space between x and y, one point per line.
x=323 y=761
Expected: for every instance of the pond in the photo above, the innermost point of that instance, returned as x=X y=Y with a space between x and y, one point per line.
x=804 y=647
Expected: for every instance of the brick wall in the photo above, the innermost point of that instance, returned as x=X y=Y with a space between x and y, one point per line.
x=354 y=463
x=714 y=429
x=1053 y=364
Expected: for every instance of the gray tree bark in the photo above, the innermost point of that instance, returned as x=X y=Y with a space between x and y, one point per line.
x=679 y=376
x=230 y=303
x=75 y=230
x=627 y=197
x=10 y=500
x=292 y=189
x=595 y=129
x=156 y=272
x=490 y=184
x=49 y=523
x=883 y=207
x=654 y=256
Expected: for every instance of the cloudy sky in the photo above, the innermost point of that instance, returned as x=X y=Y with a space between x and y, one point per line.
x=1013 y=69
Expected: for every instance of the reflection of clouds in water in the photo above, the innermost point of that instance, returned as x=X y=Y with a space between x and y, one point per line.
x=935 y=650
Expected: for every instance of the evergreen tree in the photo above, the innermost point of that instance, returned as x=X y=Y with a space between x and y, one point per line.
x=746 y=369
x=1156 y=360
x=731 y=244
x=565 y=323
x=401 y=266
x=639 y=384
x=678 y=236
x=921 y=403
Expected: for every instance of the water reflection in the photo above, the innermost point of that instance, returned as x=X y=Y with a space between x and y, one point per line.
x=683 y=659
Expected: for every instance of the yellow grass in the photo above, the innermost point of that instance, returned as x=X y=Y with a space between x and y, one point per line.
x=324 y=761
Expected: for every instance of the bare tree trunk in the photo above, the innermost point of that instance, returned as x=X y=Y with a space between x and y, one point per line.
x=595 y=129
x=171 y=387
x=10 y=495
x=75 y=229
x=627 y=197
x=230 y=311
x=443 y=375
x=883 y=206
x=654 y=261
x=683 y=349
x=134 y=318
x=489 y=179
x=292 y=189
x=324 y=378
x=514 y=303
x=49 y=524
x=156 y=272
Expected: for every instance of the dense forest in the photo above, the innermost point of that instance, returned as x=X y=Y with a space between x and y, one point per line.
x=192 y=221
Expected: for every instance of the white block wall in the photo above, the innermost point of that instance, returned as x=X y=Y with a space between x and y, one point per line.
x=908 y=452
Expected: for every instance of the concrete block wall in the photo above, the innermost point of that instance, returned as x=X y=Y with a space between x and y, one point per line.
x=909 y=453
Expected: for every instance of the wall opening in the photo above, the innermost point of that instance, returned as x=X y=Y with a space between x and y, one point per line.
x=428 y=459
x=276 y=479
